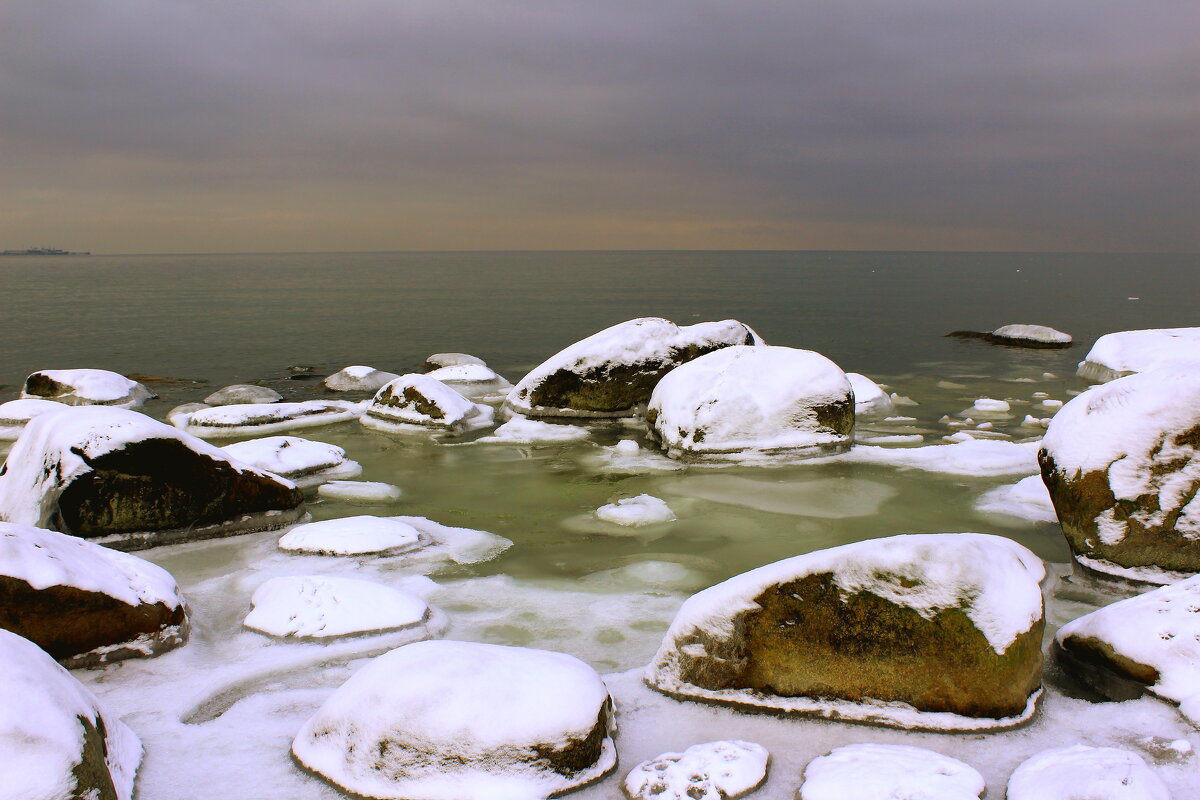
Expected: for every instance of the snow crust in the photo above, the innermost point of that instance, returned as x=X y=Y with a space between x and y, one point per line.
x=1032 y=333
x=241 y=394
x=889 y=772
x=870 y=400
x=1027 y=499
x=352 y=536
x=454 y=412
x=302 y=461
x=523 y=430
x=315 y=606
x=1080 y=772
x=1116 y=355
x=95 y=387
x=708 y=771
x=15 y=414
x=358 y=378
x=636 y=511
x=260 y=418
x=362 y=492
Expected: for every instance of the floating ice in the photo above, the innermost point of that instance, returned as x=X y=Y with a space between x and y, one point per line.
x=1027 y=499
x=869 y=399
x=1087 y=773
x=983 y=458
x=358 y=378
x=15 y=414
x=314 y=606
x=361 y=492
x=636 y=511
x=1116 y=355
x=81 y=387
x=709 y=771
x=987 y=405
x=826 y=498
x=352 y=536
x=522 y=430
x=302 y=461
x=889 y=772
x=243 y=394
x=262 y=418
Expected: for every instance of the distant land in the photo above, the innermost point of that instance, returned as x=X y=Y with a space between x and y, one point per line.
x=42 y=251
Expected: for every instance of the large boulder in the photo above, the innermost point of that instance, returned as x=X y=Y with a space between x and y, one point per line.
x=119 y=475
x=1122 y=464
x=884 y=631
x=1115 y=355
x=444 y=719
x=418 y=402
x=85 y=604
x=57 y=742
x=745 y=402
x=613 y=372
x=80 y=387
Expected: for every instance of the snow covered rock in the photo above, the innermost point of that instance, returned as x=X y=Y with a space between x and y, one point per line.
x=1030 y=336
x=418 y=402
x=1086 y=773
x=1116 y=355
x=321 y=607
x=709 y=771
x=352 y=536
x=361 y=492
x=1122 y=464
x=359 y=378
x=475 y=381
x=445 y=719
x=939 y=631
x=82 y=603
x=889 y=772
x=636 y=511
x=242 y=394
x=257 y=419
x=302 y=461
x=611 y=373
x=82 y=387
x=870 y=400
x=15 y=415
x=57 y=741
x=745 y=402
x=1146 y=643
x=441 y=360
x=114 y=473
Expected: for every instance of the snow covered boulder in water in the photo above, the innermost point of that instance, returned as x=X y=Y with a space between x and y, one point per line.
x=445 y=719
x=611 y=373
x=303 y=462
x=15 y=414
x=85 y=387
x=241 y=394
x=747 y=402
x=82 y=603
x=359 y=378
x=709 y=771
x=1030 y=336
x=1116 y=355
x=939 y=631
x=323 y=607
x=1146 y=643
x=109 y=472
x=1122 y=464
x=440 y=360
x=870 y=400
x=473 y=380
x=415 y=402
x=1102 y=773
x=256 y=419
x=889 y=772
x=57 y=741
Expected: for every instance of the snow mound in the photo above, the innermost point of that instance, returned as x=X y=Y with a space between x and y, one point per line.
x=441 y=360
x=420 y=403
x=251 y=419
x=1026 y=499
x=1116 y=355
x=358 y=378
x=889 y=772
x=870 y=400
x=360 y=492
x=1033 y=334
x=313 y=606
x=636 y=511
x=15 y=414
x=302 y=461
x=242 y=394
x=445 y=719
x=709 y=771
x=523 y=430
x=81 y=387
x=352 y=536
x=1086 y=773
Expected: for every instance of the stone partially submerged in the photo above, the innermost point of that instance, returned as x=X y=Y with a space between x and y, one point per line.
x=133 y=482
x=474 y=381
x=85 y=604
x=57 y=741
x=15 y=415
x=419 y=403
x=708 y=771
x=259 y=419
x=1036 y=336
x=359 y=378
x=442 y=719
x=934 y=631
x=302 y=461
x=1079 y=771
x=613 y=372
x=1122 y=464
x=85 y=387
x=1116 y=355
x=889 y=772
x=242 y=394
x=326 y=607
x=743 y=403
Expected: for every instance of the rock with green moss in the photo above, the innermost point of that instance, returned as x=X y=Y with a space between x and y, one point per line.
x=613 y=372
x=937 y=631
x=1122 y=464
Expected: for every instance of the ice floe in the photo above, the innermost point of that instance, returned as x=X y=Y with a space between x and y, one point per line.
x=708 y=771
x=1026 y=499
x=359 y=492
x=889 y=772
x=358 y=378
x=319 y=607
x=242 y=394
x=410 y=538
x=827 y=498
x=1087 y=773
x=302 y=461
x=78 y=387
x=628 y=457
x=636 y=511
x=256 y=419
x=982 y=458
x=523 y=430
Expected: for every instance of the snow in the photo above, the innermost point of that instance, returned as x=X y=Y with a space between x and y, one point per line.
x=15 y=414
x=636 y=511
x=870 y=400
x=360 y=492
x=989 y=406
x=523 y=430
x=976 y=457
x=94 y=387
x=1080 y=772
x=446 y=719
x=417 y=402
x=1115 y=355
x=743 y=401
x=889 y=772
x=358 y=378
x=708 y=771
x=241 y=394
x=260 y=418
x=352 y=536
x=41 y=734
x=1027 y=499
x=824 y=498
x=315 y=606
x=302 y=461
x=1032 y=333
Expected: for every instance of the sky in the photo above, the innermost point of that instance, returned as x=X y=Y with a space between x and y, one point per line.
x=133 y=126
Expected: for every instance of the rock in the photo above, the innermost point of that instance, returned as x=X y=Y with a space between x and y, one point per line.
x=1095 y=773
x=1122 y=464
x=1146 y=643
x=359 y=379
x=709 y=771
x=352 y=536
x=1116 y=355
x=636 y=511
x=302 y=461
x=876 y=631
x=457 y=719
x=322 y=607
x=85 y=604
x=889 y=772
x=362 y=492
x=473 y=381
x=84 y=387
x=420 y=403
x=15 y=415
x=613 y=372
x=870 y=400
x=1037 y=336
x=242 y=394
x=108 y=472
x=58 y=742
x=747 y=402
x=258 y=419
x=440 y=360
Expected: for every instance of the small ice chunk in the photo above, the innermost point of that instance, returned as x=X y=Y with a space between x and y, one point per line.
x=869 y=398
x=302 y=461
x=243 y=393
x=1094 y=773
x=313 y=606
x=523 y=430
x=1048 y=403
x=364 y=492
x=901 y=400
x=889 y=772
x=709 y=771
x=358 y=378
x=913 y=438
x=1026 y=499
x=351 y=536
x=636 y=511
x=627 y=457
x=985 y=426
x=1040 y=395
x=989 y=406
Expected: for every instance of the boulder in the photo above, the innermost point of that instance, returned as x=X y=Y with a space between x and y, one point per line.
x=302 y=461
x=358 y=378
x=938 y=631
x=474 y=381
x=15 y=415
x=889 y=772
x=747 y=402
x=325 y=607
x=359 y=492
x=870 y=400
x=440 y=360
x=443 y=719
x=259 y=419
x=57 y=741
x=85 y=604
x=108 y=472
x=1079 y=771
x=85 y=387
x=1036 y=336
x=1116 y=355
x=420 y=403
x=1122 y=464
x=241 y=394
x=708 y=771
x=353 y=536
x=613 y=372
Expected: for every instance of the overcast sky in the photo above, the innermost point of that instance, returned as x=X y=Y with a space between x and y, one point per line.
x=215 y=125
